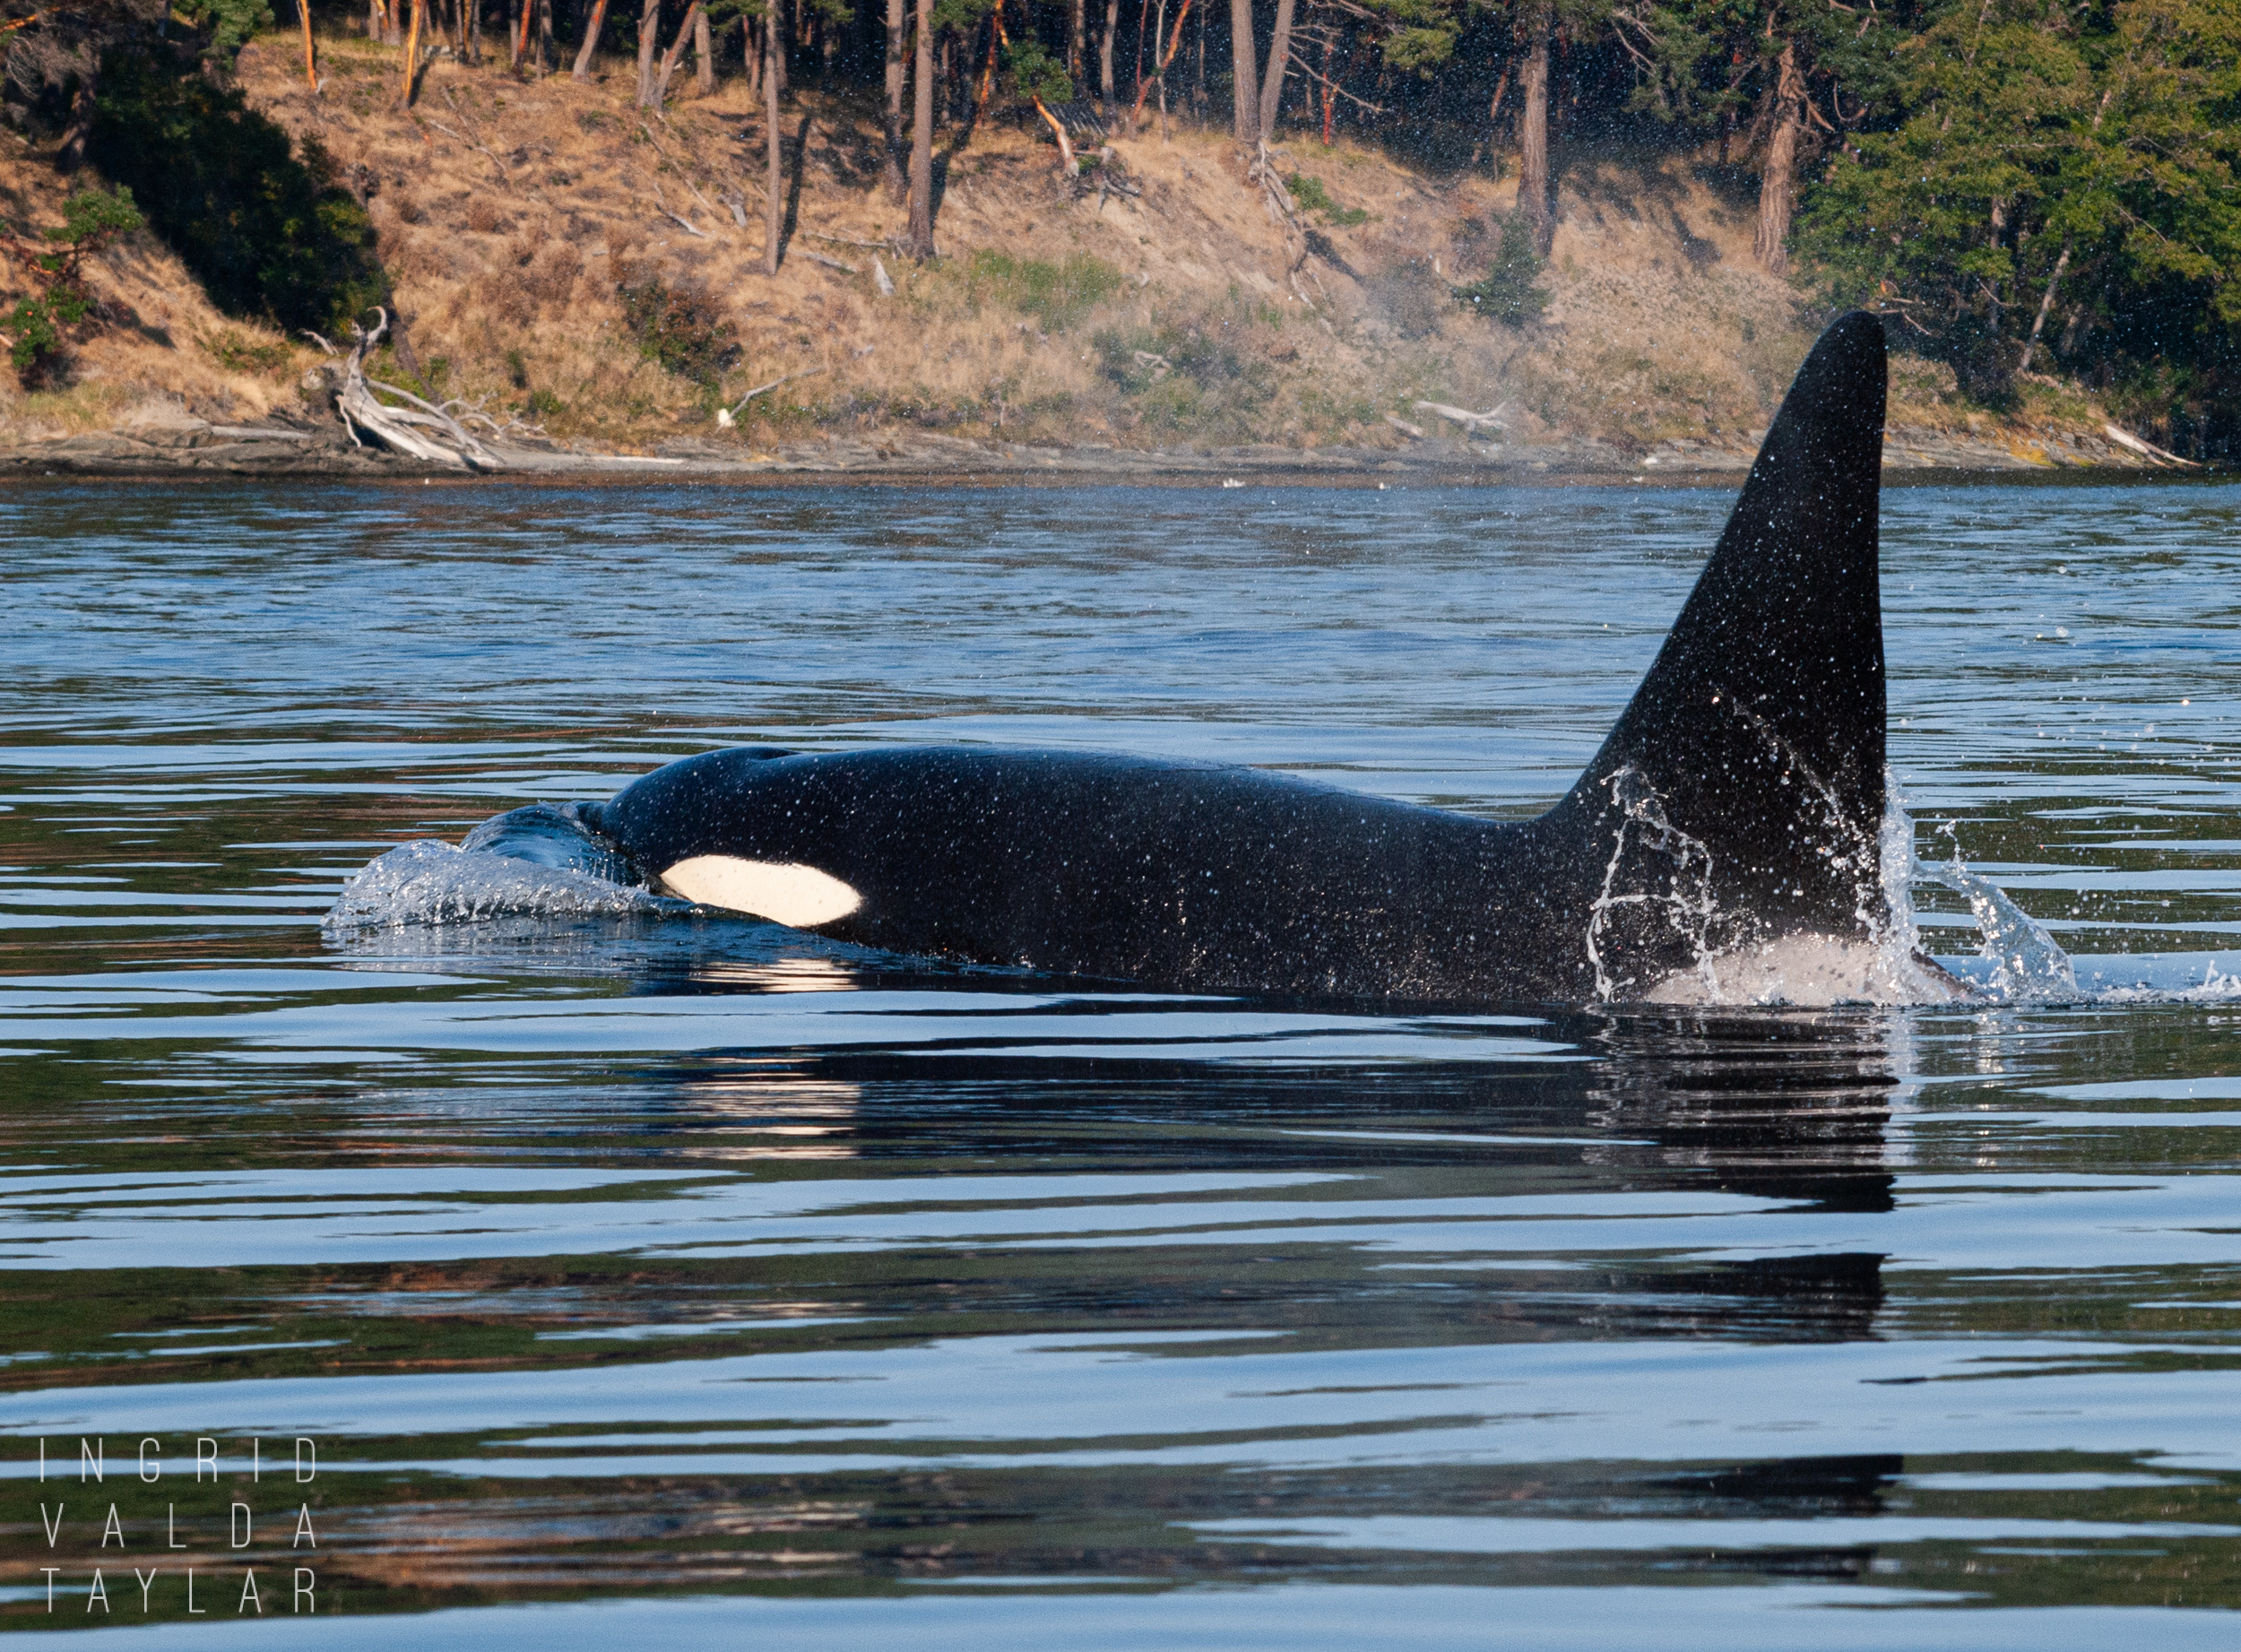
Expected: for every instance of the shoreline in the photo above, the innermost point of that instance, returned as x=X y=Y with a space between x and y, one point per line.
x=189 y=447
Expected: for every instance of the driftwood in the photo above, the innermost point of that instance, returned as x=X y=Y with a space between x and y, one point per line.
x=734 y=411
x=1464 y=416
x=419 y=429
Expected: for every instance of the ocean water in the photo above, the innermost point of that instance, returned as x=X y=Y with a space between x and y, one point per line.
x=574 y=1267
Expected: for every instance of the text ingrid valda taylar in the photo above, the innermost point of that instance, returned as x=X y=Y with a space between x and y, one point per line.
x=152 y=1530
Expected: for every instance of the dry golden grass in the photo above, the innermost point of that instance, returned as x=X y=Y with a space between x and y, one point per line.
x=173 y=349
x=509 y=207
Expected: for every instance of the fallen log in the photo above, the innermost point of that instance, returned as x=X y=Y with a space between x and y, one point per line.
x=419 y=429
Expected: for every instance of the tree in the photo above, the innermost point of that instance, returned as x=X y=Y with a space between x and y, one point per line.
x=918 y=238
x=2034 y=153
x=898 y=45
x=1808 y=70
x=773 y=224
x=1272 y=83
x=1246 y=119
x=1534 y=20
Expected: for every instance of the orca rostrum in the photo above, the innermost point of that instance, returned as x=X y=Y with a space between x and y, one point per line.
x=1736 y=805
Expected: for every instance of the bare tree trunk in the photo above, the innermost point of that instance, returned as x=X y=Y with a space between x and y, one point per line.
x=676 y=53
x=547 y=54
x=1777 y=179
x=919 y=239
x=1105 y=51
x=1245 y=122
x=71 y=155
x=1272 y=85
x=1532 y=130
x=411 y=55
x=590 y=48
x=774 y=64
x=2038 y=325
x=372 y=20
x=774 y=204
x=891 y=170
x=649 y=42
x=311 y=63
x=1076 y=25
x=703 y=54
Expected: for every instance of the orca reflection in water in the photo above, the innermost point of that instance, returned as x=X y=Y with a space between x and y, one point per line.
x=1735 y=806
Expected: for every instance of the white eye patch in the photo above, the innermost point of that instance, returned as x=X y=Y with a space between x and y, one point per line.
x=783 y=891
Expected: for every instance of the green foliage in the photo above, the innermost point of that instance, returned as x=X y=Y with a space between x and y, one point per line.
x=229 y=23
x=1058 y=295
x=1507 y=292
x=92 y=221
x=1184 y=377
x=268 y=231
x=37 y=340
x=680 y=328
x=1034 y=72
x=1312 y=197
x=2024 y=131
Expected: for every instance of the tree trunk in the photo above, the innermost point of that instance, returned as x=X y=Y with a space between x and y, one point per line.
x=547 y=54
x=649 y=42
x=703 y=54
x=1105 y=51
x=1077 y=23
x=695 y=13
x=891 y=171
x=311 y=63
x=774 y=64
x=1533 y=130
x=1777 y=179
x=71 y=155
x=590 y=48
x=411 y=56
x=919 y=237
x=773 y=204
x=2031 y=347
x=1245 y=123
x=1272 y=84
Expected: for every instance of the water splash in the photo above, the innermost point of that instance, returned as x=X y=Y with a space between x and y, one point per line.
x=429 y=882
x=1689 y=902
x=2028 y=966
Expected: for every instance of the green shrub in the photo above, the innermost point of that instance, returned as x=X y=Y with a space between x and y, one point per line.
x=1507 y=292
x=679 y=328
x=229 y=23
x=1034 y=73
x=1184 y=378
x=267 y=232
x=91 y=220
x=1312 y=197
x=1058 y=295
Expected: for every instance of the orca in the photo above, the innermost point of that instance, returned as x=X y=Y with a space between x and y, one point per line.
x=1735 y=806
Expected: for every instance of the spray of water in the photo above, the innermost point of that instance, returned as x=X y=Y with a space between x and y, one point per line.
x=2027 y=965
x=1887 y=965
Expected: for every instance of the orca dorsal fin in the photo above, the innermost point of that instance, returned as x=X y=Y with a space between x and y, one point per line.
x=1755 y=743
